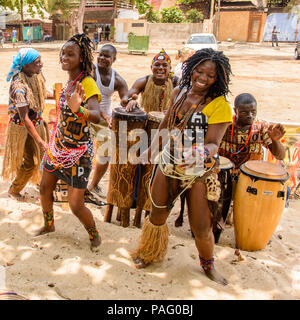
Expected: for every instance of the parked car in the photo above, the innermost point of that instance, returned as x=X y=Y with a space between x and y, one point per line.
x=198 y=41
x=297 y=51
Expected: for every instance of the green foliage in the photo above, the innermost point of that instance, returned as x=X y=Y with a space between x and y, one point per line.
x=59 y=6
x=112 y=33
x=172 y=15
x=194 y=16
x=142 y=6
x=186 y=2
x=152 y=15
x=33 y=5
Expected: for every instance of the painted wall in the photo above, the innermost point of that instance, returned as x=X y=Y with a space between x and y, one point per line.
x=234 y=25
x=287 y=26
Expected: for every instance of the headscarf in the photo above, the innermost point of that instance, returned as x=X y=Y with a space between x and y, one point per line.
x=162 y=55
x=24 y=56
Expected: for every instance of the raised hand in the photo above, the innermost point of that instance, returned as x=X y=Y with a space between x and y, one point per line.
x=277 y=132
x=75 y=99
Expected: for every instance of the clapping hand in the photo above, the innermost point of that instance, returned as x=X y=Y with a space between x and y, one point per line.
x=277 y=132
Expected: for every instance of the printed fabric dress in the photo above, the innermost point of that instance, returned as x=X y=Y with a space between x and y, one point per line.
x=74 y=132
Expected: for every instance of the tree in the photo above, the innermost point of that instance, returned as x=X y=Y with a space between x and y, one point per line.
x=152 y=15
x=59 y=8
x=194 y=16
x=33 y=7
x=172 y=15
x=80 y=15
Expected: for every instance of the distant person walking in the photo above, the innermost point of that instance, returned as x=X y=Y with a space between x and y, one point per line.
x=1 y=38
x=29 y=36
x=14 y=37
x=274 y=37
x=107 y=32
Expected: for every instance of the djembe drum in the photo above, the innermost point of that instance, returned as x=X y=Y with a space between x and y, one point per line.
x=225 y=177
x=143 y=200
x=259 y=201
x=122 y=179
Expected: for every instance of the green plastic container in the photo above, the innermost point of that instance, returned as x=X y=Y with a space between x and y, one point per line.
x=138 y=44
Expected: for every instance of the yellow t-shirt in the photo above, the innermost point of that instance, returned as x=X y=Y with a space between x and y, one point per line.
x=218 y=111
x=90 y=88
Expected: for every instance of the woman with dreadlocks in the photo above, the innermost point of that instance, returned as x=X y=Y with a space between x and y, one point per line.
x=198 y=114
x=70 y=151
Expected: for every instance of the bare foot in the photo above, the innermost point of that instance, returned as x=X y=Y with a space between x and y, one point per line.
x=215 y=276
x=16 y=196
x=140 y=264
x=44 y=230
x=95 y=243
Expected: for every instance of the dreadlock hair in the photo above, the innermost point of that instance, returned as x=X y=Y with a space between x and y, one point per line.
x=86 y=47
x=220 y=87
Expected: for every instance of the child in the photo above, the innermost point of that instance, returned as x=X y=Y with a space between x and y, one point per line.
x=70 y=151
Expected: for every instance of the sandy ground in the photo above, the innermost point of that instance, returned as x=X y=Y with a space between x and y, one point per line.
x=61 y=266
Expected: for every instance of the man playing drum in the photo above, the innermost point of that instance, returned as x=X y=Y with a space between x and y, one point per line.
x=155 y=89
x=245 y=137
x=108 y=81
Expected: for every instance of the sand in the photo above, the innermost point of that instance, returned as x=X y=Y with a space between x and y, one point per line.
x=61 y=266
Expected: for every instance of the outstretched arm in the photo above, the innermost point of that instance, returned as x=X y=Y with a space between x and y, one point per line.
x=137 y=87
x=276 y=147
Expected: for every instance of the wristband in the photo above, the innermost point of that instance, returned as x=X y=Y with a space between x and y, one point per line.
x=83 y=113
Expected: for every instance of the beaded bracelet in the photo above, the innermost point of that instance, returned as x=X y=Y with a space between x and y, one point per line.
x=205 y=153
x=83 y=113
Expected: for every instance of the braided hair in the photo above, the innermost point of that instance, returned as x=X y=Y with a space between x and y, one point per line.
x=86 y=49
x=221 y=85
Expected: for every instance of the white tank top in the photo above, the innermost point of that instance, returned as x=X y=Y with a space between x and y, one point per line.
x=106 y=92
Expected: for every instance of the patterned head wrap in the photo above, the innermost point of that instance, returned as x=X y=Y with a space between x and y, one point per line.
x=162 y=55
x=24 y=56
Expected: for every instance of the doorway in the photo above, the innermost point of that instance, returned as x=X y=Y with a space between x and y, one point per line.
x=254 y=28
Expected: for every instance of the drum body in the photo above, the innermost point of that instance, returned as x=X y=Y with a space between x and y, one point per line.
x=143 y=200
x=225 y=177
x=123 y=173
x=259 y=201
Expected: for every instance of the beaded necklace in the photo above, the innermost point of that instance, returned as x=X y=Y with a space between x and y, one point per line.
x=231 y=137
x=65 y=157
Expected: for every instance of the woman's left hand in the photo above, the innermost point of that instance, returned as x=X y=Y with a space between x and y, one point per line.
x=75 y=99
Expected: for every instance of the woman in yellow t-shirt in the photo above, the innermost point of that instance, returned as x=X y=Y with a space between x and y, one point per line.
x=70 y=150
x=196 y=121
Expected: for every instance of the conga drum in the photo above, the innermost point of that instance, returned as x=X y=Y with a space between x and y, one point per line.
x=259 y=201
x=225 y=177
x=143 y=200
x=123 y=174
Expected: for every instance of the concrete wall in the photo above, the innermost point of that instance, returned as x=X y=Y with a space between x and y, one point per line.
x=234 y=25
x=158 y=32
x=172 y=32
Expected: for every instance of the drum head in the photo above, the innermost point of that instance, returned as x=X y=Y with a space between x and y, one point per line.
x=135 y=115
x=156 y=116
x=264 y=169
x=225 y=163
